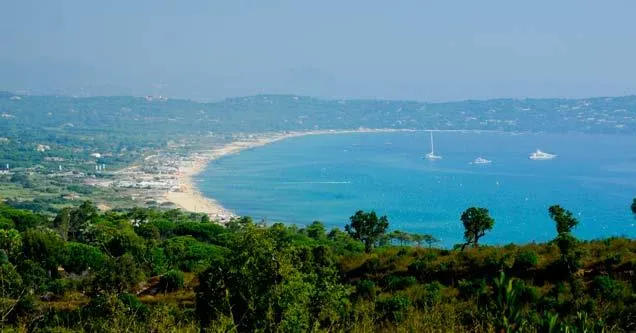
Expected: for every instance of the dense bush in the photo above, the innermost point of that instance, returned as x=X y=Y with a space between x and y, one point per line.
x=525 y=260
x=394 y=308
x=282 y=278
x=171 y=281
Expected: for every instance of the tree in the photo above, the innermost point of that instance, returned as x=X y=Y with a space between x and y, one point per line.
x=401 y=237
x=430 y=240
x=81 y=257
x=367 y=227
x=11 y=243
x=118 y=275
x=71 y=223
x=564 y=219
x=423 y=238
x=62 y=222
x=418 y=239
x=44 y=247
x=316 y=230
x=567 y=243
x=80 y=218
x=139 y=215
x=476 y=222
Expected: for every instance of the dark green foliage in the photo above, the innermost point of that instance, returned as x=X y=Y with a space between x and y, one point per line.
x=213 y=298
x=476 y=222
x=118 y=275
x=34 y=277
x=265 y=283
x=400 y=282
x=429 y=295
x=394 y=308
x=476 y=288
x=11 y=243
x=44 y=247
x=132 y=304
x=607 y=288
x=567 y=243
x=171 y=281
x=564 y=219
x=20 y=219
x=282 y=278
x=10 y=281
x=366 y=289
x=158 y=261
x=343 y=243
x=148 y=231
x=22 y=179
x=570 y=252
x=59 y=287
x=367 y=227
x=205 y=232
x=316 y=230
x=507 y=309
x=81 y=257
x=124 y=241
x=525 y=260
x=190 y=255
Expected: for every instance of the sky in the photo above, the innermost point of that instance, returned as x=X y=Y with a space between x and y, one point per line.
x=416 y=50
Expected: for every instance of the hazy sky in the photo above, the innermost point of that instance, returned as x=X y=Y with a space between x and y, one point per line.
x=423 y=50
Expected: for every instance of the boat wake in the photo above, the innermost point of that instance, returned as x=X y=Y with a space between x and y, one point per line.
x=319 y=182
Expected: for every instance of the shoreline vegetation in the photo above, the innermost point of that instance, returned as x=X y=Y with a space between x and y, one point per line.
x=152 y=270
x=189 y=198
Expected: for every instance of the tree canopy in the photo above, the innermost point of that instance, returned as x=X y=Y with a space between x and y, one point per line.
x=476 y=222
x=367 y=227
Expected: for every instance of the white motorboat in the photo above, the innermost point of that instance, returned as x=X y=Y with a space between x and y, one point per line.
x=540 y=155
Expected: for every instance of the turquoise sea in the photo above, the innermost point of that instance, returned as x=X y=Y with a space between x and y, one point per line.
x=329 y=177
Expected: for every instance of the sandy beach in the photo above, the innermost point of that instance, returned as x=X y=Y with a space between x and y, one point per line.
x=190 y=199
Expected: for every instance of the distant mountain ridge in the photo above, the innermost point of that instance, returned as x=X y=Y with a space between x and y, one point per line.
x=263 y=113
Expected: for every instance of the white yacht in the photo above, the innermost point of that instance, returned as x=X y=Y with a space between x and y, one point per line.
x=481 y=160
x=540 y=155
x=431 y=156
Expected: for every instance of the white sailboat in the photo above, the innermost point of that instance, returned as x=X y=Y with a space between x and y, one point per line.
x=431 y=156
x=540 y=155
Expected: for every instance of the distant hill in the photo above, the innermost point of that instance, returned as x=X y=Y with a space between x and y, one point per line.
x=284 y=112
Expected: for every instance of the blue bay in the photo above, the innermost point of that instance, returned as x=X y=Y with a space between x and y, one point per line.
x=329 y=177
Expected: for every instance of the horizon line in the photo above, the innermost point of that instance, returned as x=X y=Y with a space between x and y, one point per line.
x=201 y=101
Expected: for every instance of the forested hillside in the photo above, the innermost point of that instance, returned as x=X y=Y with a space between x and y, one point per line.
x=286 y=113
x=149 y=271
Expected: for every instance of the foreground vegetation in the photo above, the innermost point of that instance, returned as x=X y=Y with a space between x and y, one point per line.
x=146 y=270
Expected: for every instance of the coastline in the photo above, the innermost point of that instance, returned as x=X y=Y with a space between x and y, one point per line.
x=190 y=199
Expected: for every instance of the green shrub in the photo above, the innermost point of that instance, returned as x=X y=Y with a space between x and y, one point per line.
x=607 y=288
x=427 y=295
x=393 y=308
x=171 y=281
x=372 y=265
x=133 y=305
x=10 y=281
x=80 y=257
x=400 y=282
x=524 y=260
x=366 y=289
x=473 y=288
x=60 y=286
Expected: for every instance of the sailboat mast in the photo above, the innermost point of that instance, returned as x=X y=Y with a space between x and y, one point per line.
x=432 y=147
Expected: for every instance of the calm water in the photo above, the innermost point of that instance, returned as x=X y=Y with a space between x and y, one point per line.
x=329 y=177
